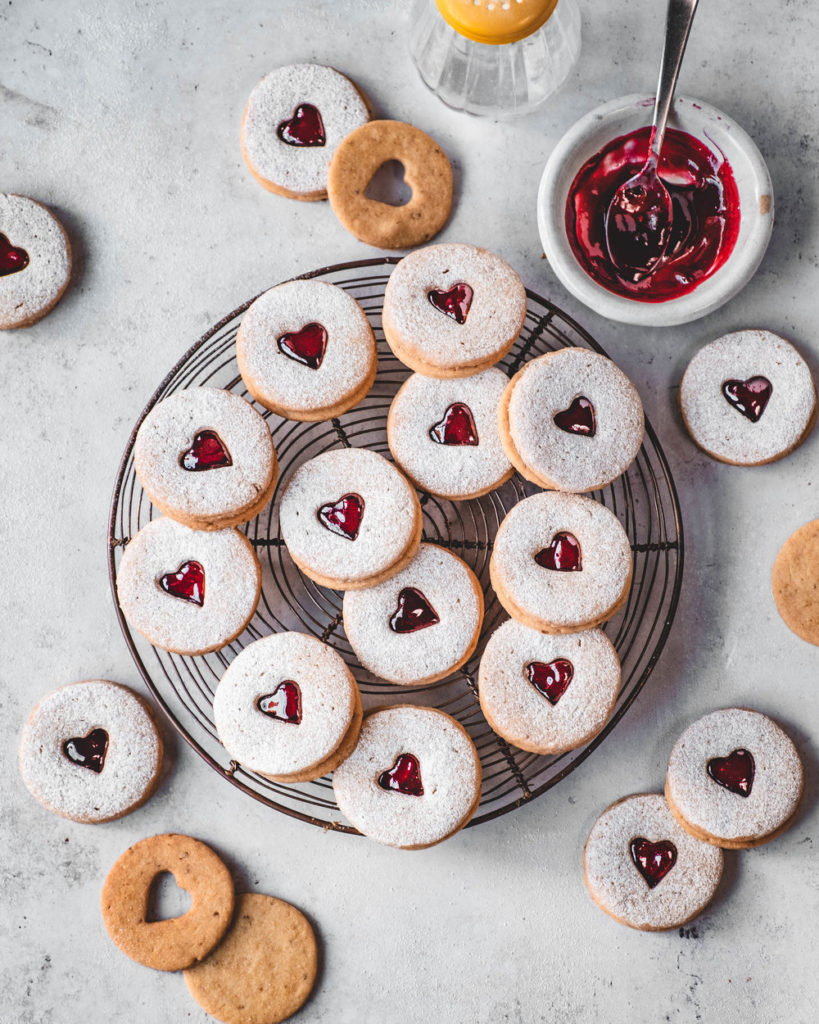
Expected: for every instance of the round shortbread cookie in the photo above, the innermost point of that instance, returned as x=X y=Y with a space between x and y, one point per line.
x=734 y=779
x=421 y=624
x=306 y=350
x=288 y=707
x=548 y=694
x=350 y=519
x=444 y=434
x=795 y=582
x=451 y=310
x=188 y=591
x=293 y=122
x=644 y=870
x=571 y=420
x=265 y=967
x=561 y=562
x=35 y=261
x=91 y=751
x=205 y=457
x=174 y=943
x=413 y=780
x=748 y=398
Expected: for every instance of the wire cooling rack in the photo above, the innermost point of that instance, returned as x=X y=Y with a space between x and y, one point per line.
x=644 y=499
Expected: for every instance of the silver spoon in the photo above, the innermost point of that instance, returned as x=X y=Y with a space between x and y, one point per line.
x=638 y=220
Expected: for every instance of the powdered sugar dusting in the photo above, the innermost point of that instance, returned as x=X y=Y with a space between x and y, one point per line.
x=30 y=226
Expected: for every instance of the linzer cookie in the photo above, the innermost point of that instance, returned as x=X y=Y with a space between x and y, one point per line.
x=571 y=420
x=306 y=350
x=795 y=573
x=561 y=563
x=413 y=780
x=644 y=870
x=452 y=310
x=350 y=519
x=748 y=398
x=35 y=261
x=548 y=694
x=734 y=779
x=91 y=751
x=188 y=591
x=419 y=625
x=293 y=122
x=205 y=457
x=288 y=707
x=444 y=434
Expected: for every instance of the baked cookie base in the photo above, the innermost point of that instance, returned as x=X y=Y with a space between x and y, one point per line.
x=741 y=843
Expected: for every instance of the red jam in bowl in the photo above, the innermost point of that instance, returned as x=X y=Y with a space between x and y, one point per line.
x=705 y=223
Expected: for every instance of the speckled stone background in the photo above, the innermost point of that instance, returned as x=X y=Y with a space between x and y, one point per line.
x=124 y=118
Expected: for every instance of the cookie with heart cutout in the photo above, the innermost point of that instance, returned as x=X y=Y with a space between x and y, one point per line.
x=421 y=624
x=452 y=310
x=748 y=398
x=35 y=261
x=413 y=780
x=548 y=694
x=188 y=591
x=571 y=420
x=444 y=434
x=350 y=519
x=205 y=457
x=561 y=563
x=293 y=123
x=306 y=350
x=795 y=572
x=91 y=751
x=734 y=779
x=288 y=708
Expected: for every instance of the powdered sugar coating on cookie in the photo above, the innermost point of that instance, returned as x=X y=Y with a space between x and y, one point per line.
x=522 y=714
x=719 y=813
x=553 y=457
x=616 y=884
x=299 y=169
x=30 y=293
x=232 y=585
x=449 y=587
x=453 y=470
x=327 y=700
x=416 y=329
x=551 y=600
x=132 y=759
x=719 y=427
x=287 y=386
x=448 y=765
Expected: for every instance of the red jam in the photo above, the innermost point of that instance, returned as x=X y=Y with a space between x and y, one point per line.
x=414 y=612
x=343 y=517
x=456 y=428
x=12 y=257
x=578 y=418
x=306 y=346
x=187 y=583
x=653 y=860
x=403 y=777
x=283 y=704
x=88 y=751
x=207 y=452
x=304 y=128
x=563 y=554
x=735 y=772
x=748 y=396
x=454 y=303
x=705 y=221
x=550 y=679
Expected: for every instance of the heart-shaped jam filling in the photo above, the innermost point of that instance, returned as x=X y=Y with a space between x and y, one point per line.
x=578 y=418
x=550 y=678
x=414 y=612
x=283 y=704
x=344 y=517
x=734 y=772
x=187 y=583
x=454 y=303
x=88 y=751
x=748 y=396
x=304 y=128
x=562 y=554
x=306 y=346
x=403 y=777
x=653 y=860
x=12 y=257
x=456 y=428
x=207 y=452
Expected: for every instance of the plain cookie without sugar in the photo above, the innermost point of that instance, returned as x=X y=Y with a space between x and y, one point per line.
x=795 y=582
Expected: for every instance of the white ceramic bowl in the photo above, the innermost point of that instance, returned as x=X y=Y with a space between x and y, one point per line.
x=716 y=131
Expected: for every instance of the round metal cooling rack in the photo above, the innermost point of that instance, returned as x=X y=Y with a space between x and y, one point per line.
x=644 y=499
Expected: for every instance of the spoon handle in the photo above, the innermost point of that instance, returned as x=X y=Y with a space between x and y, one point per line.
x=677 y=27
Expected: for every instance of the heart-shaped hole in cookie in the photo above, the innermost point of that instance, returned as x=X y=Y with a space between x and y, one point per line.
x=166 y=899
x=388 y=186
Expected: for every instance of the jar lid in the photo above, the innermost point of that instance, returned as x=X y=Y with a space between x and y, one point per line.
x=496 y=21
